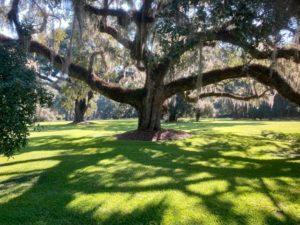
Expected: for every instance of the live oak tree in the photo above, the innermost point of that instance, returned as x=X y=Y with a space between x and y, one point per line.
x=159 y=37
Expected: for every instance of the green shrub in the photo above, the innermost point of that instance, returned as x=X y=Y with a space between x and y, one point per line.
x=19 y=94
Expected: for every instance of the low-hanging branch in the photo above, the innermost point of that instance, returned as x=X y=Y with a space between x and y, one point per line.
x=258 y=72
x=133 y=96
x=110 y=90
x=195 y=99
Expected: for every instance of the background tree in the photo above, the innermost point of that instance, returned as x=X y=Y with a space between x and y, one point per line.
x=178 y=107
x=77 y=97
x=108 y=109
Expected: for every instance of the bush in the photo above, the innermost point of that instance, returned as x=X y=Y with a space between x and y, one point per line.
x=19 y=93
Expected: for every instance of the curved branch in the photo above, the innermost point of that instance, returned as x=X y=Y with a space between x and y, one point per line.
x=45 y=18
x=119 y=13
x=112 y=91
x=124 y=18
x=283 y=53
x=115 y=34
x=209 y=38
x=230 y=37
x=139 y=17
x=51 y=83
x=257 y=72
x=13 y=16
x=224 y=95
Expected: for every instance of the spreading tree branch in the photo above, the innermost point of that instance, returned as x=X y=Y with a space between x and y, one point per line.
x=110 y=90
x=193 y=99
x=139 y=17
x=231 y=38
x=116 y=35
x=209 y=38
x=124 y=17
x=255 y=71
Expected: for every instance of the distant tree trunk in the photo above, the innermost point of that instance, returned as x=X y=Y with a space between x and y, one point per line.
x=67 y=115
x=81 y=106
x=172 y=111
x=197 y=115
x=172 y=116
x=79 y=110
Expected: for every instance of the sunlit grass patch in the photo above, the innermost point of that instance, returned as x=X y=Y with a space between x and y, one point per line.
x=229 y=172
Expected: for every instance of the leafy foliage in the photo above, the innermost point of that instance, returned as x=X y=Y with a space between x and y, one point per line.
x=19 y=94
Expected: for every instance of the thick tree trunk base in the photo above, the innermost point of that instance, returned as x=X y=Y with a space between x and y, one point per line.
x=161 y=135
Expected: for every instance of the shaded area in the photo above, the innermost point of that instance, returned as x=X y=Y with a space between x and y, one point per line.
x=111 y=125
x=104 y=181
x=161 y=135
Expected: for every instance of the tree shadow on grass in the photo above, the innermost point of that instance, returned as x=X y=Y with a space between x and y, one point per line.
x=101 y=166
x=292 y=151
x=126 y=125
x=116 y=125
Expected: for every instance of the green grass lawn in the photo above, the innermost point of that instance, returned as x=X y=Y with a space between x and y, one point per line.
x=229 y=172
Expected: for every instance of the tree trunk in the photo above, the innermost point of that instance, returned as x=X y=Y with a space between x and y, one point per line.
x=197 y=115
x=80 y=109
x=150 y=109
x=149 y=114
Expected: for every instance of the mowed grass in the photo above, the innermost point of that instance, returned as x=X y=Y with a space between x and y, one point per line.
x=229 y=172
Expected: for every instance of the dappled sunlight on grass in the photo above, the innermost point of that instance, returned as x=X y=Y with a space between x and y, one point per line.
x=11 y=190
x=229 y=172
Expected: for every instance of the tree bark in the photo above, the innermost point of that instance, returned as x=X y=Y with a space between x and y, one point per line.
x=149 y=113
x=150 y=109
